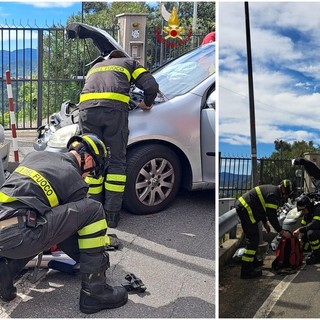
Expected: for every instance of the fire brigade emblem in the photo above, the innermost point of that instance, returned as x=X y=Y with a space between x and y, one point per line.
x=173 y=30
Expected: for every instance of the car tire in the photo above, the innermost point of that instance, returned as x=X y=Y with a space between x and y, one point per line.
x=147 y=192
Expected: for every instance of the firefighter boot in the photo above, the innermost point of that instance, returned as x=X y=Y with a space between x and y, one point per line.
x=113 y=218
x=248 y=271
x=9 y=269
x=97 y=295
x=314 y=257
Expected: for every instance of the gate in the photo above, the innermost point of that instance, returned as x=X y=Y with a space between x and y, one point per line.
x=46 y=69
x=235 y=175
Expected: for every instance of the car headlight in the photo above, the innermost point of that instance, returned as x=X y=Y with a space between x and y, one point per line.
x=61 y=137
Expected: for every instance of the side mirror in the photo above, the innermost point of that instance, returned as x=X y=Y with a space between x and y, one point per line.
x=211 y=101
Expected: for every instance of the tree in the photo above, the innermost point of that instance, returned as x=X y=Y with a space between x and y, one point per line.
x=286 y=150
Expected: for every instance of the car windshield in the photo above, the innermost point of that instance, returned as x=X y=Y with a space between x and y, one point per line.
x=184 y=73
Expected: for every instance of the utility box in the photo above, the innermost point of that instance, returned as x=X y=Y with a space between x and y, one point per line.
x=225 y=205
x=314 y=157
x=132 y=34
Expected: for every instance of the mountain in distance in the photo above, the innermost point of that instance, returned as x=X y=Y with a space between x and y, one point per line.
x=21 y=62
x=231 y=180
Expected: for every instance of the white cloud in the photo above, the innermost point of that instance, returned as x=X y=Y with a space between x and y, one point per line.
x=286 y=71
x=47 y=4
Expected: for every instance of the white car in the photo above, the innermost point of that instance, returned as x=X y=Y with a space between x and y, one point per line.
x=173 y=145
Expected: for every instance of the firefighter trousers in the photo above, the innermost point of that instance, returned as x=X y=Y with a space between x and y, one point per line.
x=111 y=125
x=314 y=240
x=79 y=228
x=251 y=231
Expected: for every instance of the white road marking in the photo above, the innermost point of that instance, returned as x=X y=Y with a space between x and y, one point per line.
x=275 y=295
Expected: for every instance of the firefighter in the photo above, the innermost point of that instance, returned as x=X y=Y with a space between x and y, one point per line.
x=44 y=202
x=310 y=230
x=103 y=110
x=260 y=204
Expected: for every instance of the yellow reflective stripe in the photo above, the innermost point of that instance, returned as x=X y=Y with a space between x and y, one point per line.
x=258 y=191
x=104 y=96
x=92 y=180
x=107 y=240
x=247 y=259
x=136 y=73
x=117 y=177
x=243 y=202
x=95 y=190
x=41 y=182
x=250 y=252
x=4 y=198
x=92 y=144
x=271 y=205
x=303 y=222
x=114 y=187
x=91 y=243
x=315 y=242
x=316 y=218
x=110 y=68
x=93 y=227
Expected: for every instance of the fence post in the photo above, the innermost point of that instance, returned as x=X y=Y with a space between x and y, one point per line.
x=12 y=117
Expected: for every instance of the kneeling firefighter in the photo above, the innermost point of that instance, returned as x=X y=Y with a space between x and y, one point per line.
x=44 y=202
x=260 y=204
x=310 y=229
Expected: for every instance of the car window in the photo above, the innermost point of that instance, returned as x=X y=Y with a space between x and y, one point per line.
x=184 y=73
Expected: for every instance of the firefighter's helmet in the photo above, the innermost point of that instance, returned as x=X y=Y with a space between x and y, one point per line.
x=303 y=201
x=288 y=187
x=91 y=144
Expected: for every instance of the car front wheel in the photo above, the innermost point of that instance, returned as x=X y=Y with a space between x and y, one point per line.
x=153 y=179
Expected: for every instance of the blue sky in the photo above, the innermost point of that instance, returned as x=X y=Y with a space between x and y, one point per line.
x=42 y=12
x=285 y=40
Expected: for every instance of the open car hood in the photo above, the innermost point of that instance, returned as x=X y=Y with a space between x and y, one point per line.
x=311 y=168
x=101 y=38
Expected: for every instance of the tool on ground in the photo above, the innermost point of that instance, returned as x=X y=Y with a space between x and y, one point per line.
x=135 y=284
x=36 y=274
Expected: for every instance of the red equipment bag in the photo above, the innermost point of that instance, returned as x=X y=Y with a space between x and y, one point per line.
x=288 y=254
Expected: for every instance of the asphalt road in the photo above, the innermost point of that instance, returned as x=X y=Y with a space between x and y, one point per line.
x=171 y=251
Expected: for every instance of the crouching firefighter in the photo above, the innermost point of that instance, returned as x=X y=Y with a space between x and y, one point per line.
x=310 y=229
x=260 y=204
x=44 y=202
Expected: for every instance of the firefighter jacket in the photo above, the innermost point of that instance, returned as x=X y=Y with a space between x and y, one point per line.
x=108 y=83
x=311 y=221
x=261 y=204
x=37 y=183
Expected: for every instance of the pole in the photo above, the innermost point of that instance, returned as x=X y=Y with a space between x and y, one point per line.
x=251 y=101
x=262 y=244
x=12 y=117
x=194 y=21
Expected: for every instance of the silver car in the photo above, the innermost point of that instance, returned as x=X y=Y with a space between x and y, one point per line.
x=171 y=146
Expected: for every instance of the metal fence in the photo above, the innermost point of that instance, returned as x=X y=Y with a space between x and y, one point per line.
x=235 y=174
x=46 y=69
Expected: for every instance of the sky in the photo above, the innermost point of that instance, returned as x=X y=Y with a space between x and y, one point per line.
x=40 y=13
x=285 y=43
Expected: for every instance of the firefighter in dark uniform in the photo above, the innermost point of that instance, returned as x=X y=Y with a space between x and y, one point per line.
x=310 y=229
x=104 y=105
x=260 y=204
x=44 y=202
